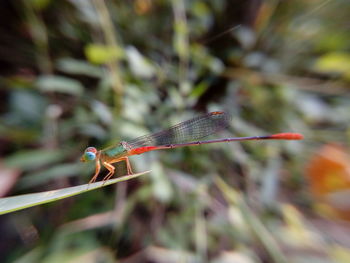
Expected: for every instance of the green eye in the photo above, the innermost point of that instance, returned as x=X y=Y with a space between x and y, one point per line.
x=89 y=156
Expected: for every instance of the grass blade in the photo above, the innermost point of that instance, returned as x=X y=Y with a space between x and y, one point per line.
x=14 y=203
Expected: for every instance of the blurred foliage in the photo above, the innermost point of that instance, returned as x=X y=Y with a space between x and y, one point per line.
x=76 y=73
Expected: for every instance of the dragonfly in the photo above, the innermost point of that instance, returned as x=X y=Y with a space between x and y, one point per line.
x=187 y=133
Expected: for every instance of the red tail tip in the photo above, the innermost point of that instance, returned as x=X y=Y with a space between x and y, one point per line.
x=287 y=136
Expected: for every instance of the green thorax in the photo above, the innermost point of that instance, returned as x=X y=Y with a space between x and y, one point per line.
x=116 y=150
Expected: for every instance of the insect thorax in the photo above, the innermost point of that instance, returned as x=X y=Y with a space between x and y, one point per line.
x=117 y=150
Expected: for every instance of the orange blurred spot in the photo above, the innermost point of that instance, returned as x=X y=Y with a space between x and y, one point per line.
x=142 y=6
x=329 y=176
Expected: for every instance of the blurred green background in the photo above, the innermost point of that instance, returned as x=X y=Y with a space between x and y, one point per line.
x=91 y=73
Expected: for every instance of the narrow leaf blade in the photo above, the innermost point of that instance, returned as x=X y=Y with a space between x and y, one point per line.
x=14 y=203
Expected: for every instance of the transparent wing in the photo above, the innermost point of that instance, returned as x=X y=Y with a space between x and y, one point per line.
x=186 y=131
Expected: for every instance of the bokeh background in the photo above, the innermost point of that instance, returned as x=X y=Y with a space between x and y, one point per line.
x=91 y=73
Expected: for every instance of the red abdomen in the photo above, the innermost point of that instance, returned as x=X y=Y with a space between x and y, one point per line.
x=142 y=150
x=287 y=136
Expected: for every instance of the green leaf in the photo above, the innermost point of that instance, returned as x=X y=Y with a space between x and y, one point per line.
x=40 y=4
x=50 y=83
x=79 y=67
x=14 y=203
x=200 y=89
x=139 y=65
x=100 y=54
x=334 y=62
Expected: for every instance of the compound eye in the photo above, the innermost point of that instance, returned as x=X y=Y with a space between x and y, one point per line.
x=89 y=156
x=91 y=149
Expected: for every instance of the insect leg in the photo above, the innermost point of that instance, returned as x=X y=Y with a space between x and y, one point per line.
x=128 y=165
x=97 y=171
x=111 y=170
